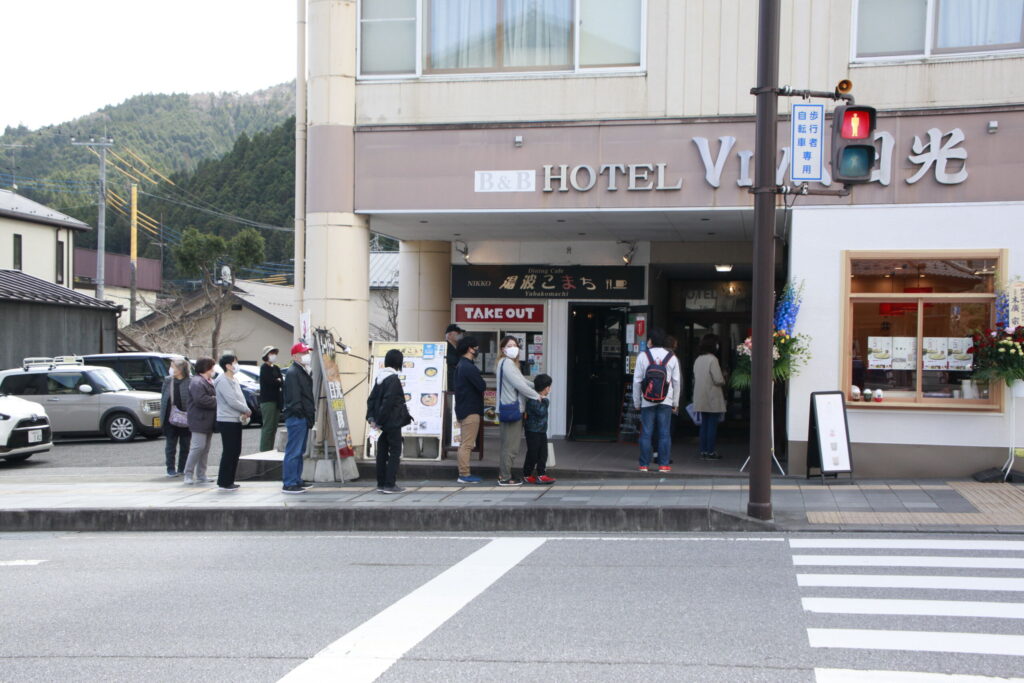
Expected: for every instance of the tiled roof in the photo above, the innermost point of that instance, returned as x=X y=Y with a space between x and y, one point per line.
x=13 y=205
x=18 y=286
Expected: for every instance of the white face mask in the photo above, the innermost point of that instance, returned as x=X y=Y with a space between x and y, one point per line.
x=306 y=359
x=272 y=357
x=234 y=367
x=512 y=352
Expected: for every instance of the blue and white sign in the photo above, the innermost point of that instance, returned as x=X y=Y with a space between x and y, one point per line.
x=808 y=142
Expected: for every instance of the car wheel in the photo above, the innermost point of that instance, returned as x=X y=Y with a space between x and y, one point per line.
x=121 y=427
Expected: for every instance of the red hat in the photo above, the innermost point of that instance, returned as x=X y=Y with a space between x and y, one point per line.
x=300 y=348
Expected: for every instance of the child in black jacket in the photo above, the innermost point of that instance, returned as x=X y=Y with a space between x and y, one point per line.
x=537 y=434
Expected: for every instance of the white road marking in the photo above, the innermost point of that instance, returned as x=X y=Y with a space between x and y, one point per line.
x=367 y=651
x=938 y=608
x=904 y=544
x=875 y=676
x=909 y=561
x=917 y=641
x=20 y=563
x=966 y=583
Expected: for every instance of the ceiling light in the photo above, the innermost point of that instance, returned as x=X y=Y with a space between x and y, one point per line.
x=627 y=258
x=723 y=267
x=463 y=248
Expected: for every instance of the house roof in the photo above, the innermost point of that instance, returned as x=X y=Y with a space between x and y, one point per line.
x=274 y=301
x=13 y=205
x=18 y=286
x=383 y=270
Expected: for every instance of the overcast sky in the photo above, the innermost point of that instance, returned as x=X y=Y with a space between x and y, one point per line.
x=66 y=58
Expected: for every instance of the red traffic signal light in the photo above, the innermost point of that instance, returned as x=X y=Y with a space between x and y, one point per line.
x=853 y=149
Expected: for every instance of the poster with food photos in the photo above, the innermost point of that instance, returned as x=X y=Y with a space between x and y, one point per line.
x=879 y=353
x=936 y=353
x=904 y=353
x=423 y=376
x=959 y=359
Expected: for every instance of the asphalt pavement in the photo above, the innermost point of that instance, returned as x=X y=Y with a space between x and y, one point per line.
x=420 y=607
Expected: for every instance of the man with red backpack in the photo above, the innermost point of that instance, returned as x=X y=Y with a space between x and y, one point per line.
x=656 y=394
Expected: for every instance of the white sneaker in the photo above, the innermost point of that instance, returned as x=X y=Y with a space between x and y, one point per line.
x=189 y=480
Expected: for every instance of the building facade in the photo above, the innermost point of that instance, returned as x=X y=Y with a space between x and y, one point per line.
x=576 y=172
x=36 y=239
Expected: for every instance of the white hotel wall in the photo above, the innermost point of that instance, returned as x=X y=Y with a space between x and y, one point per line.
x=819 y=236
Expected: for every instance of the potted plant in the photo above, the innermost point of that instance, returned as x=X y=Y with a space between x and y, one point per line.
x=999 y=356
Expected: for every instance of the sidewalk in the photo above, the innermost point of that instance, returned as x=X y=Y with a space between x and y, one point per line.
x=143 y=501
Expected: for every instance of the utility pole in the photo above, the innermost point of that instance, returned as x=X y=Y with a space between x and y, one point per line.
x=101 y=222
x=14 y=163
x=134 y=251
x=759 y=504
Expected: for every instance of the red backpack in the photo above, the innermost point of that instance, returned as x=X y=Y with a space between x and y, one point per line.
x=654 y=386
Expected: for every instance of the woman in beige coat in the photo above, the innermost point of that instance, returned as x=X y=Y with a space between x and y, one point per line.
x=708 y=399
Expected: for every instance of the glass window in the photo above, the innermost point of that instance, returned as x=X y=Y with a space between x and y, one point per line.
x=16 y=258
x=922 y=276
x=24 y=384
x=610 y=32
x=903 y=27
x=60 y=262
x=64 y=382
x=105 y=379
x=884 y=350
x=136 y=372
x=388 y=44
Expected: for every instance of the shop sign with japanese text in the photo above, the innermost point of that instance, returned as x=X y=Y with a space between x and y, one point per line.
x=499 y=313
x=548 y=282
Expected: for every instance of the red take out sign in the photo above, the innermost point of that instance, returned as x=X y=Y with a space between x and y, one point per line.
x=499 y=313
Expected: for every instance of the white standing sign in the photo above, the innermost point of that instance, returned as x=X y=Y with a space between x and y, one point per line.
x=807 y=135
x=828 y=441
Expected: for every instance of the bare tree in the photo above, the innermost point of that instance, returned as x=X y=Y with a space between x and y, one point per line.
x=388 y=331
x=177 y=325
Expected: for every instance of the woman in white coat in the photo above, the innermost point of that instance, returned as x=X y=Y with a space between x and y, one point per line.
x=708 y=398
x=512 y=388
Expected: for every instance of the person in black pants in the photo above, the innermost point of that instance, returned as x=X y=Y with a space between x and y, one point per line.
x=232 y=411
x=535 y=463
x=386 y=410
x=174 y=393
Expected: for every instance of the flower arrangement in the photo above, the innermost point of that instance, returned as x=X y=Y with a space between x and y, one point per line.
x=998 y=354
x=790 y=351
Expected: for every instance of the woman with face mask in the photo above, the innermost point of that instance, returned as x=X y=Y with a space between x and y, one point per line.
x=513 y=390
x=232 y=411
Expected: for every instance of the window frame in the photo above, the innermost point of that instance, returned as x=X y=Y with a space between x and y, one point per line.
x=59 y=265
x=995 y=401
x=930 y=51
x=575 y=69
x=17 y=252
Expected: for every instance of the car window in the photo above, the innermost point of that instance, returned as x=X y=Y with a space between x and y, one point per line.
x=64 y=382
x=136 y=371
x=105 y=379
x=24 y=384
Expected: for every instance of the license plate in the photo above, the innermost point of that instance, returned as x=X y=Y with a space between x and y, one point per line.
x=35 y=435
x=156 y=421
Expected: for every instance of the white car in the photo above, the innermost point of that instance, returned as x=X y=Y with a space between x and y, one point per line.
x=24 y=429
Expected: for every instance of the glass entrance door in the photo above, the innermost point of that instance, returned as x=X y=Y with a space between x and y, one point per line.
x=597 y=370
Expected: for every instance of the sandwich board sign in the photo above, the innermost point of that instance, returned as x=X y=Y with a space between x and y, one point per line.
x=828 y=435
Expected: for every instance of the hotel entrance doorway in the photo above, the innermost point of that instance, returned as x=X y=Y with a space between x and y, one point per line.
x=597 y=370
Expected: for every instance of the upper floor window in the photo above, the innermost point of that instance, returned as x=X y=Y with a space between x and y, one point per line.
x=16 y=261
x=413 y=37
x=922 y=28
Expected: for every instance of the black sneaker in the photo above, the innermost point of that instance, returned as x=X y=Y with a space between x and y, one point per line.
x=231 y=487
x=713 y=456
x=293 y=489
x=510 y=482
x=306 y=484
x=390 y=489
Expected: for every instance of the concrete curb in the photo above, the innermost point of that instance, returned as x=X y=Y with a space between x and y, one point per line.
x=406 y=518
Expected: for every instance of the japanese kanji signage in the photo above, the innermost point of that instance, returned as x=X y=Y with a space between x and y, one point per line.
x=1015 y=294
x=548 y=282
x=807 y=136
x=499 y=313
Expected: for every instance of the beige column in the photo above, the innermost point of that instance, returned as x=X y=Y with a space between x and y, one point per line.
x=337 y=240
x=424 y=290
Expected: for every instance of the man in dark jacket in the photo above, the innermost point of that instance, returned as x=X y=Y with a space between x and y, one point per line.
x=299 y=417
x=452 y=334
x=469 y=389
x=388 y=412
x=271 y=397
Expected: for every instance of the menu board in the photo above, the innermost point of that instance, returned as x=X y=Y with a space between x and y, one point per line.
x=491 y=406
x=936 y=353
x=959 y=359
x=904 y=353
x=879 y=353
x=828 y=437
x=422 y=376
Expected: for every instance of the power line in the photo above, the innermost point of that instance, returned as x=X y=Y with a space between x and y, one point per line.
x=218 y=214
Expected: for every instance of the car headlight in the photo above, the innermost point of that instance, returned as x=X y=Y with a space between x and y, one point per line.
x=152 y=406
x=4 y=416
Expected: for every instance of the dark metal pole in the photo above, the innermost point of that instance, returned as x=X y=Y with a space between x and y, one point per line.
x=759 y=504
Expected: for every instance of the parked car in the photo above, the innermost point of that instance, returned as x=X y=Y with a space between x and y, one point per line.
x=24 y=429
x=84 y=399
x=142 y=370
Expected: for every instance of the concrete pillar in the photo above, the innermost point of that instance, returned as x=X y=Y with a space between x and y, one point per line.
x=424 y=290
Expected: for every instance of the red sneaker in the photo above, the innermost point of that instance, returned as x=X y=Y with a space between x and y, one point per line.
x=545 y=479
x=530 y=480
x=642 y=468
x=664 y=468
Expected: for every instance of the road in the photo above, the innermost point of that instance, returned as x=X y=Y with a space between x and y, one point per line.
x=314 y=607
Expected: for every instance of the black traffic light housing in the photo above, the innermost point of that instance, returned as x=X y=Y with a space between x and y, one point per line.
x=853 y=147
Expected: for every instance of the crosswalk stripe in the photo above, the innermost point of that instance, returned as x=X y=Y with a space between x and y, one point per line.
x=909 y=561
x=918 y=641
x=904 y=544
x=967 y=583
x=875 y=676
x=938 y=608
x=20 y=563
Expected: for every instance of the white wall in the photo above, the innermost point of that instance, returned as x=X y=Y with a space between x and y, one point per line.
x=819 y=236
x=38 y=248
x=552 y=253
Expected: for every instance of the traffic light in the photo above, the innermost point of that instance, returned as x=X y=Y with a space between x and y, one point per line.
x=853 y=147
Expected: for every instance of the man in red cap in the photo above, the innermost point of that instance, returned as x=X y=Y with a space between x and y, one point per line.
x=299 y=416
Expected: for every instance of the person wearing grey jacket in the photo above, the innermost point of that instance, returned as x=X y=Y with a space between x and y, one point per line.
x=174 y=393
x=232 y=411
x=512 y=387
x=202 y=413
